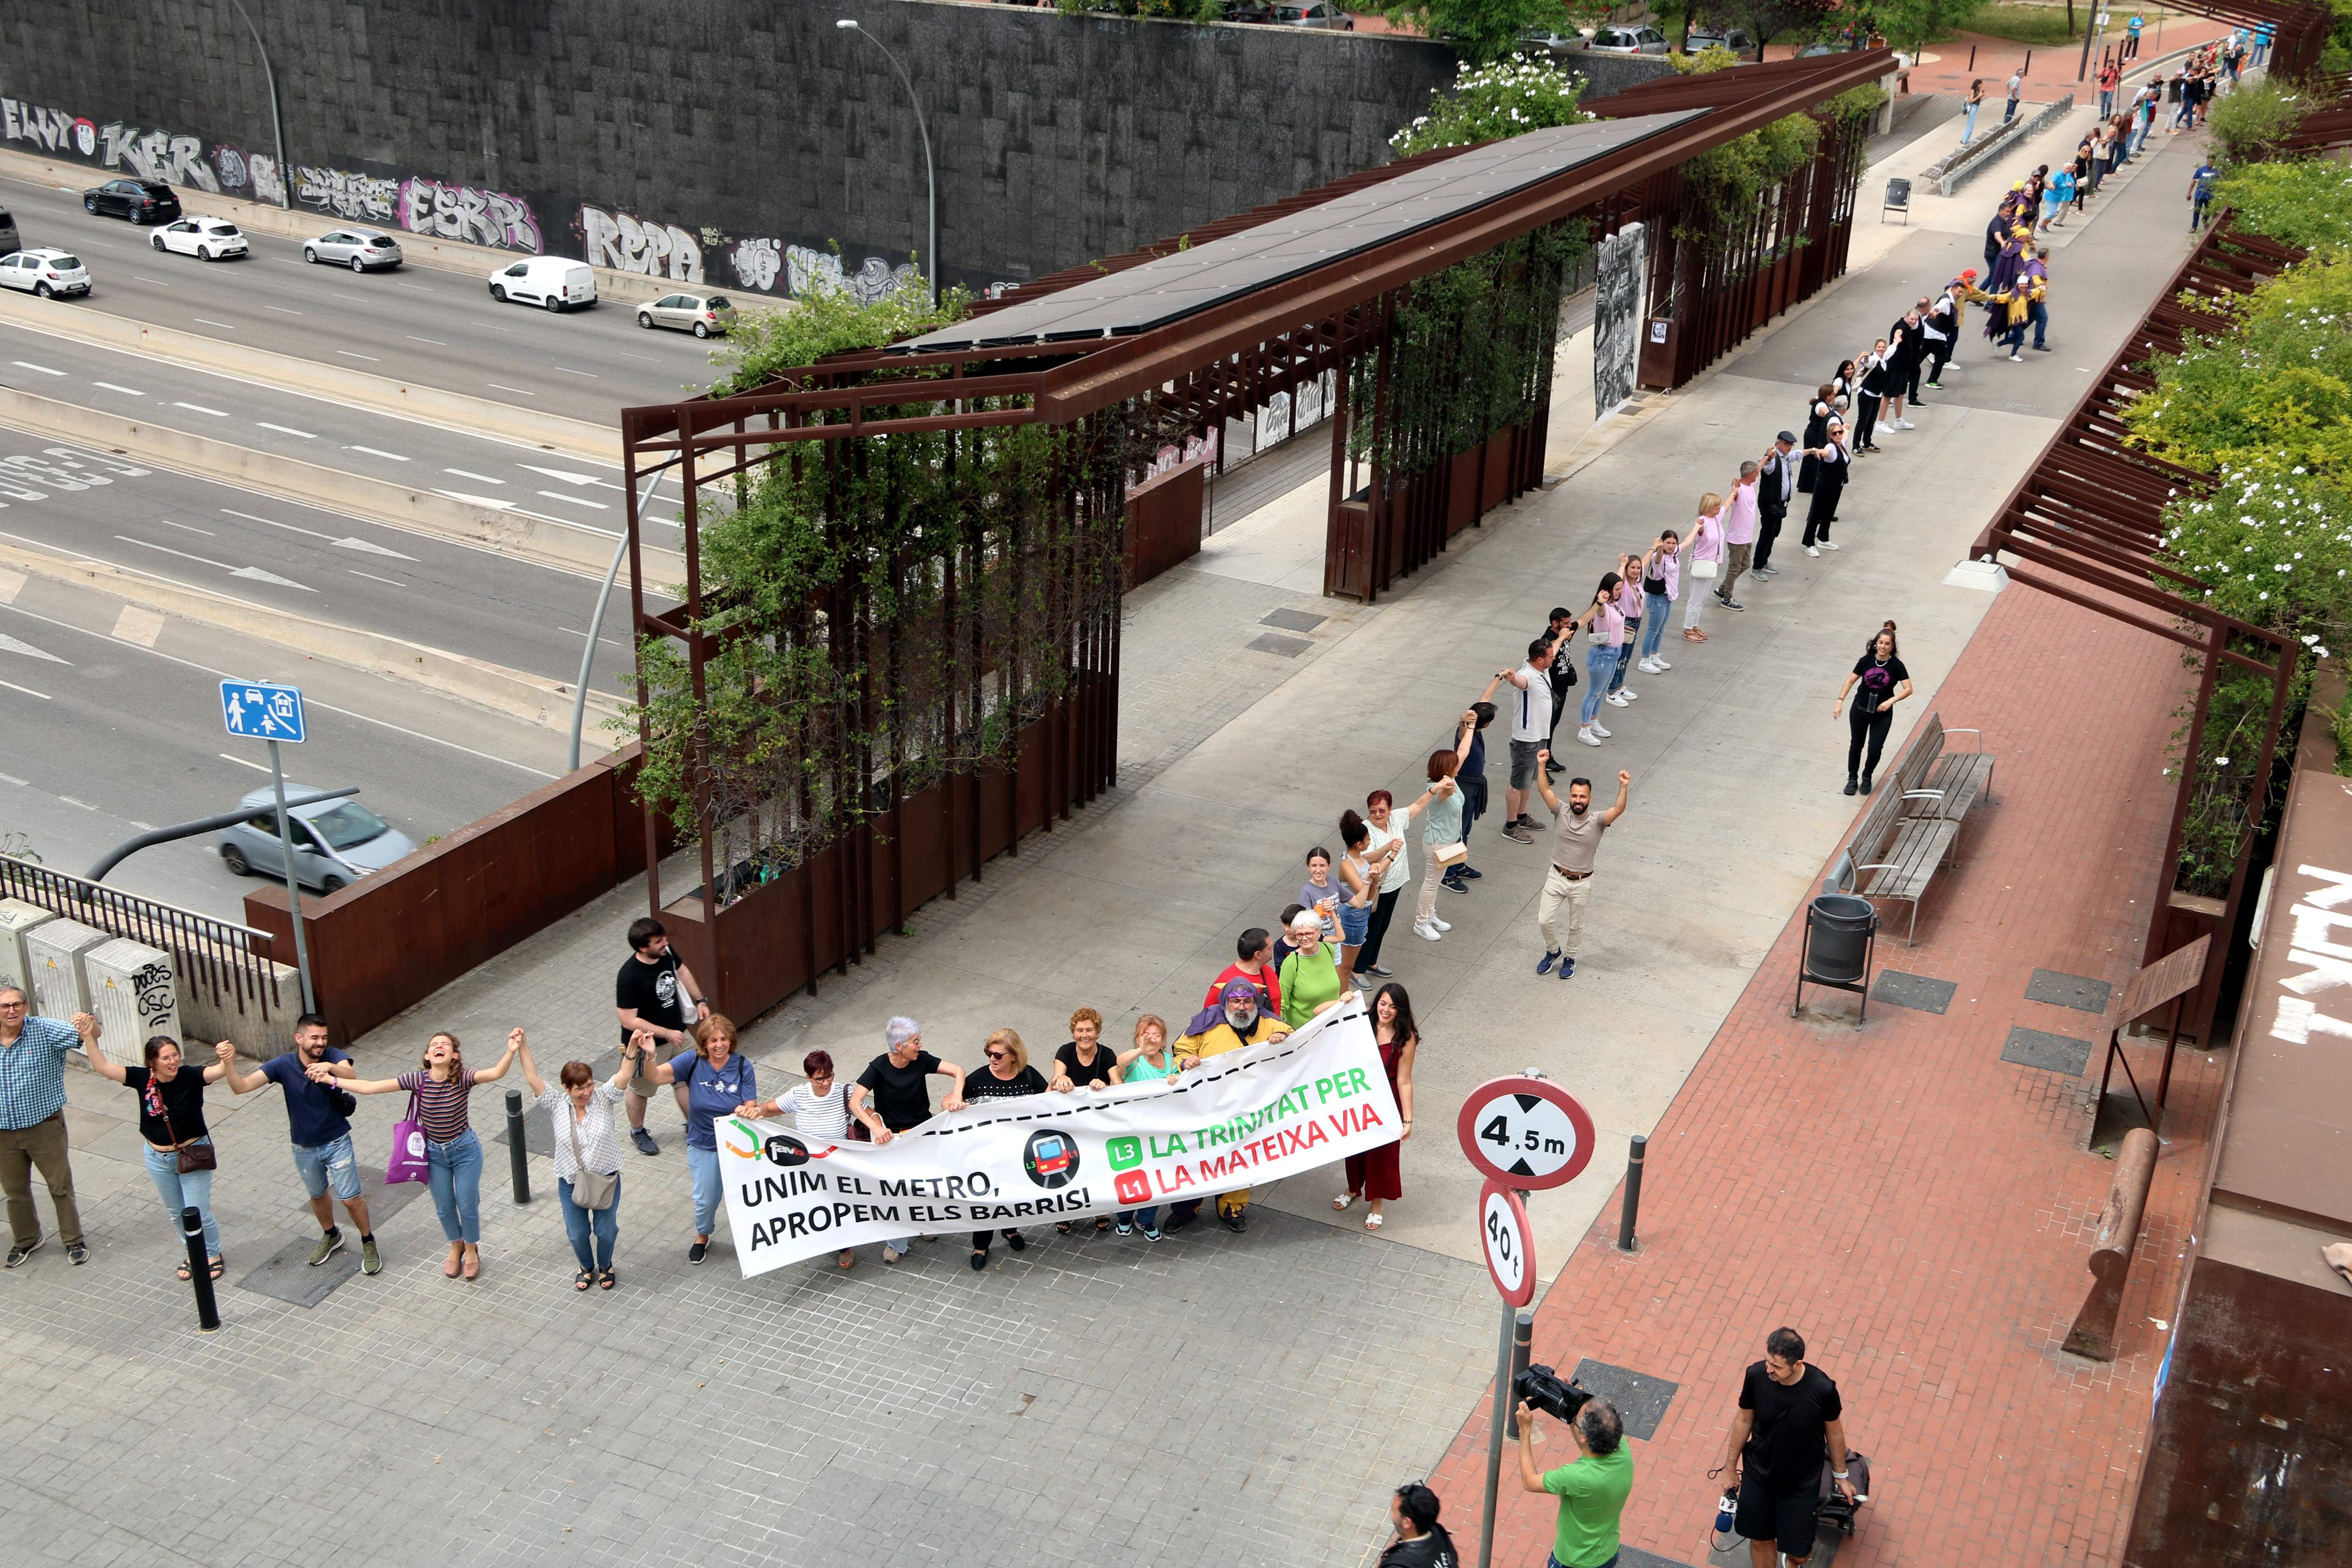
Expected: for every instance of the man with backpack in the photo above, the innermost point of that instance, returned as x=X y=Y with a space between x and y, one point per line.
x=1789 y=1423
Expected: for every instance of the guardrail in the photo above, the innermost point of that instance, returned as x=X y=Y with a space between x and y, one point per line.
x=2093 y=1332
x=215 y=959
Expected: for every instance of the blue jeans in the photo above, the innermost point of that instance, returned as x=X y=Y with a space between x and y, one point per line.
x=1624 y=658
x=328 y=1165
x=193 y=1189
x=703 y=1165
x=1969 y=122
x=2107 y=102
x=1655 y=608
x=1600 y=664
x=2197 y=213
x=603 y=1224
x=453 y=1174
x=2009 y=110
x=1149 y=1218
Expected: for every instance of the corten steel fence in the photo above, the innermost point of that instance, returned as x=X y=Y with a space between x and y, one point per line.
x=2086 y=523
x=227 y=964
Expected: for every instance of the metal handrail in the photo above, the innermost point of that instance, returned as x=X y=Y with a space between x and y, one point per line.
x=219 y=955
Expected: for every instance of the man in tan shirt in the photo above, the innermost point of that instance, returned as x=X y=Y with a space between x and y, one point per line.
x=1575 y=840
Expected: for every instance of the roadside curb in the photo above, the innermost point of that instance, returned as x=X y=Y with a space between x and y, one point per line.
x=534 y=699
x=569 y=548
x=450 y=410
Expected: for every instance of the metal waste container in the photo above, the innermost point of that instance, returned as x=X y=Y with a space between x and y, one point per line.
x=1840 y=930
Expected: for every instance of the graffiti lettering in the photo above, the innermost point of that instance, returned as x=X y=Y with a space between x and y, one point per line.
x=157 y=155
x=269 y=182
x=809 y=272
x=463 y=213
x=52 y=130
x=152 y=986
x=757 y=263
x=629 y=244
x=344 y=194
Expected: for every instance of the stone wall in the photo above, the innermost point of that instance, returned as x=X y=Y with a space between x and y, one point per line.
x=727 y=141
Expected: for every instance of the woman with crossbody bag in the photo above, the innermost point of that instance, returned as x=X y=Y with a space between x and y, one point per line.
x=587 y=1158
x=180 y=1159
x=821 y=1109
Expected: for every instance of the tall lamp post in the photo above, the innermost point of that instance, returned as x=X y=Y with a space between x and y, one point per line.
x=277 y=125
x=930 y=176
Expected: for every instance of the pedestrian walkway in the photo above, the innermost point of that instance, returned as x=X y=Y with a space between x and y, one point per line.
x=1914 y=1196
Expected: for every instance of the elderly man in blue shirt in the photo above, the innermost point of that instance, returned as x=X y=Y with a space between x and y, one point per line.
x=33 y=1123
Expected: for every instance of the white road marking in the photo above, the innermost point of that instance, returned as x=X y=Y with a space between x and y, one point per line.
x=575 y=500
x=45 y=369
x=576 y=632
x=641 y=359
x=377 y=452
x=241 y=761
x=27 y=649
x=568 y=371
x=468 y=474
x=284 y=430
x=346 y=544
x=66 y=798
x=348 y=354
x=413 y=338
x=143 y=827
x=210 y=323
x=372 y=577
x=12 y=778
x=200 y=408
x=517 y=390
x=138 y=624
x=11 y=585
x=159 y=283
x=566 y=475
x=187 y=527
x=284 y=311
x=126 y=391
x=26 y=689
x=491 y=502
x=252 y=574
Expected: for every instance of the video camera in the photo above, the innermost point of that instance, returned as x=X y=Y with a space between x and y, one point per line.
x=1542 y=1388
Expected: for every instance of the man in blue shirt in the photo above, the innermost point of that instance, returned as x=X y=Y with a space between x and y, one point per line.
x=321 y=1135
x=2200 y=192
x=33 y=1123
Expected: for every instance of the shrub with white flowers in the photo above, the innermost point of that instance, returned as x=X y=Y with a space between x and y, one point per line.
x=1506 y=98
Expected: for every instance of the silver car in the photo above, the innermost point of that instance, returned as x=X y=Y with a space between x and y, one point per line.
x=1325 y=15
x=701 y=314
x=1736 y=39
x=336 y=842
x=1628 y=41
x=361 y=249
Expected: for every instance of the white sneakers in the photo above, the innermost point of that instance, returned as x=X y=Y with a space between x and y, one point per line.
x=1440 y=925
x=1658 y=662
x=1422 y=930
x=1618 y=699
x=1599 y=729
x=1829 y=544
x=1901 y=425
x=1813 y=550
x=1649 y=666
x=1588 y=737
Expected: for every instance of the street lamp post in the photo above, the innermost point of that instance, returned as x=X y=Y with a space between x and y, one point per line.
x=930 y=176
x=277 y=125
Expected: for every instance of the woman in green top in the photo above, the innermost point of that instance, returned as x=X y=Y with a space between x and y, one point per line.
x=1310 y=976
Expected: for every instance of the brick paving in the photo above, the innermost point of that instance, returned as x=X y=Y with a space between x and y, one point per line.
x=1918 y=1207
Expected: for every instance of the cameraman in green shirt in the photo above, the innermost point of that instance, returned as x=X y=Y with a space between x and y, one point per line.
x=1591 y=1488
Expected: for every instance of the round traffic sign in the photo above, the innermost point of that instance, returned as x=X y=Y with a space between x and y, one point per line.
x=1509 y=1243
x=1525 y=1132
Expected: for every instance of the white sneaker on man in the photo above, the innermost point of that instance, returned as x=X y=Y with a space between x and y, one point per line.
x=1588 y=737
x=1599 y=729
x=1618 y=699
x=1440 y=925
x=1422 y=930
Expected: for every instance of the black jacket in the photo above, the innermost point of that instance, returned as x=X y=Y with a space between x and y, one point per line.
x=1434 y=1550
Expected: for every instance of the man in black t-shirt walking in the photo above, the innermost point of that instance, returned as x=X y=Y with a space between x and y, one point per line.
x=1789 y=1426
x=657 y=993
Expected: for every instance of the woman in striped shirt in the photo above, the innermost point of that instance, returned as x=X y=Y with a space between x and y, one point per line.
x=586 y=1138
x=820 y=1110
x=453 y=1155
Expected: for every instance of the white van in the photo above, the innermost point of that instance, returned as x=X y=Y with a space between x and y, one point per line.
x=548 y=281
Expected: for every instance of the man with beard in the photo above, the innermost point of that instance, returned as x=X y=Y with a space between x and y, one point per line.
x=317 y=1123
x=1575 y=841
x=1236 y=1021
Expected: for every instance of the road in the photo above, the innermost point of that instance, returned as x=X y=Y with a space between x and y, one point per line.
x=418 y=323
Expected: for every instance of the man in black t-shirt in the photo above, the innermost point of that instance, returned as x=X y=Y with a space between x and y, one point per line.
x=890 y=1095
x=1789 y=1424
x=657 y=993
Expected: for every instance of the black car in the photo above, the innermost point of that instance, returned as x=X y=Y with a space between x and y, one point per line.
x=9 y=239
x=140 y=201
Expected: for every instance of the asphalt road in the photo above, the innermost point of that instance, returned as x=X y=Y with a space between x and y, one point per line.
x=109 y=738
x=418 y=323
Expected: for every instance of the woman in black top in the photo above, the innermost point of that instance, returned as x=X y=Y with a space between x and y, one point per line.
x=1817 y=430
x=1884 y=682
x=171 y=1118
x=1085 y=1062
x=1008 y=1074
x=1832 y=463
x=1878 y=381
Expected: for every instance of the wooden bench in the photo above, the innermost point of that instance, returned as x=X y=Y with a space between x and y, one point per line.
x=1937 y=780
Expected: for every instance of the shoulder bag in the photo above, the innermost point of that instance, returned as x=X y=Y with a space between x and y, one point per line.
x=592 y=1190
x=855 y=1130
x=196 y=1154
x=407 y=1161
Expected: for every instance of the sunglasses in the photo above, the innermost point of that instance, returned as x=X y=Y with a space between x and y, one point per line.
x=1000 y=1055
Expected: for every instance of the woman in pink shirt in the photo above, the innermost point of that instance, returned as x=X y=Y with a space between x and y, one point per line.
x=1661 y=581
x=1604 y=627
x=1705 y=545
x=1629 y=604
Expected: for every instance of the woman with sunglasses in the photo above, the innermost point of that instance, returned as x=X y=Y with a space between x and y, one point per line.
x=1007 y=1075
x=171 y=1118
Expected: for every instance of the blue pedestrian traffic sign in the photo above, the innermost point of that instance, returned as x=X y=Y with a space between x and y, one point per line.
x=258 y=711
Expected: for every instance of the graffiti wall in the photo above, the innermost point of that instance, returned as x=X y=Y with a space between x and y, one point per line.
x=423 y=202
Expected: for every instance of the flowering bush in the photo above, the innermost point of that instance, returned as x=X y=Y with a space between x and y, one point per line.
x=2273 y=543
x=1506 y=97
x=2304 y=202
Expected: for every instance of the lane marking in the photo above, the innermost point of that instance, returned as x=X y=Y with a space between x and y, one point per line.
x=284 y=311
x=200 y=408
x=517 y=390
x=45 y=369
x=159 y=283
x=11 y=585
x=241 y=761
x=138 y=624
x=413 y=338
x=66 y=798
x=284 y=430
x=641 y=359
x=346 y=542
x=568 y=371
x=252 y=574
x=377 y=452
x=28 y=650
x=27 y=690
x=189 y=527
x=373 y=578
x=566 y=475
x=468 y=474
x=12 y=778
x=575 y=500
x=126 y=391
x=348 y=354
x=208 y=321
x=576 y=632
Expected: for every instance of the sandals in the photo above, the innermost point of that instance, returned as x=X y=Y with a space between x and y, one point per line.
x=1102 y=1223
x=847 y=1260
x=218 y=1267
x=1343 y=1203
x=183 y=1275
x=1063 y=1225
x=1371 y=1222
x=582 y=1280
x=605 y=1281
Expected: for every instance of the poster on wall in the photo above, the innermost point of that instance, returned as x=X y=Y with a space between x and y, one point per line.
x=1239 y=1119
x=1617 y=317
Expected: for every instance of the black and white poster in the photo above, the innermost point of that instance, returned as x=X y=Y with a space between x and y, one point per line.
x=1617 y=317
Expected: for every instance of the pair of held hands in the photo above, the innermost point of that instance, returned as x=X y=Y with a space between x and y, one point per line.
x=87 y=1026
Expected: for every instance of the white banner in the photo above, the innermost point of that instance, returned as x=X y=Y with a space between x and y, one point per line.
x=1237 y=1119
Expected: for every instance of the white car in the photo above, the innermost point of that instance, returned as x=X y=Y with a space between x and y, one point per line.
x=45 y=273
x=548 y=281
x=205 y=238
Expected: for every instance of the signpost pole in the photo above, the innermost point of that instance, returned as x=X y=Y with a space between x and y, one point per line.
x=1495 y=1437
x=293 y=883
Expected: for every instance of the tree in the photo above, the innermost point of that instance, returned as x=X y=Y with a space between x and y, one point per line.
x=1909 y=24
x=1768 y=19
x=1482 y=30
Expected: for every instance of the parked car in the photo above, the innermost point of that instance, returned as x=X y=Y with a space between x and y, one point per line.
x=1738 y=40
x=45 y=273
x=1249 y=10
x=9 y=239
x=1320 y=14
x=140 y=201
x=701 y=314
x=1547 y=42
x=205 y=238
x=548 y=281
x=1628 y=41
x=357 y=249
x=336 y=842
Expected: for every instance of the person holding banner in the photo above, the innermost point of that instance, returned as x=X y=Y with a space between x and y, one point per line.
x=1151 y=1061
x=719 y=1082
x=890 y=1095
x=1377 y=1174
x=820 y=1111
x=1243 y=1025
x=1310 y=979
x=587 y=1147
x=1085 y=1060
x=1007 y=1075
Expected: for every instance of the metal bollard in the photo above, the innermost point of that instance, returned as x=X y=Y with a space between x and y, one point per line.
x=1626 y=1222
x=2026 y=69
x=1972 y=58
x=516 y=1152
x=200 y=1270
x=1523 y=1340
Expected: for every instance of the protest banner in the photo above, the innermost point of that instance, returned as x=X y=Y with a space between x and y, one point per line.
x=1237 y=1119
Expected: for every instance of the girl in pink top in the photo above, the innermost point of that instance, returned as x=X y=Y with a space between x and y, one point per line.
x=1705 y=545
x=1629 y=604
x=1661 y=575
x=1604 y=625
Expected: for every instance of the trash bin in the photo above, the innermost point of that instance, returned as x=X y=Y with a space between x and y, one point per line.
x=1838 y=927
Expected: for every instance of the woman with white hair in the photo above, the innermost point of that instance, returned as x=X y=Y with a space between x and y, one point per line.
x=890 y=1095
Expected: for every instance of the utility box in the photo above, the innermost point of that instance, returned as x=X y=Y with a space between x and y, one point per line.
x=17 y=918
x=135 y=994
x=54 y=951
